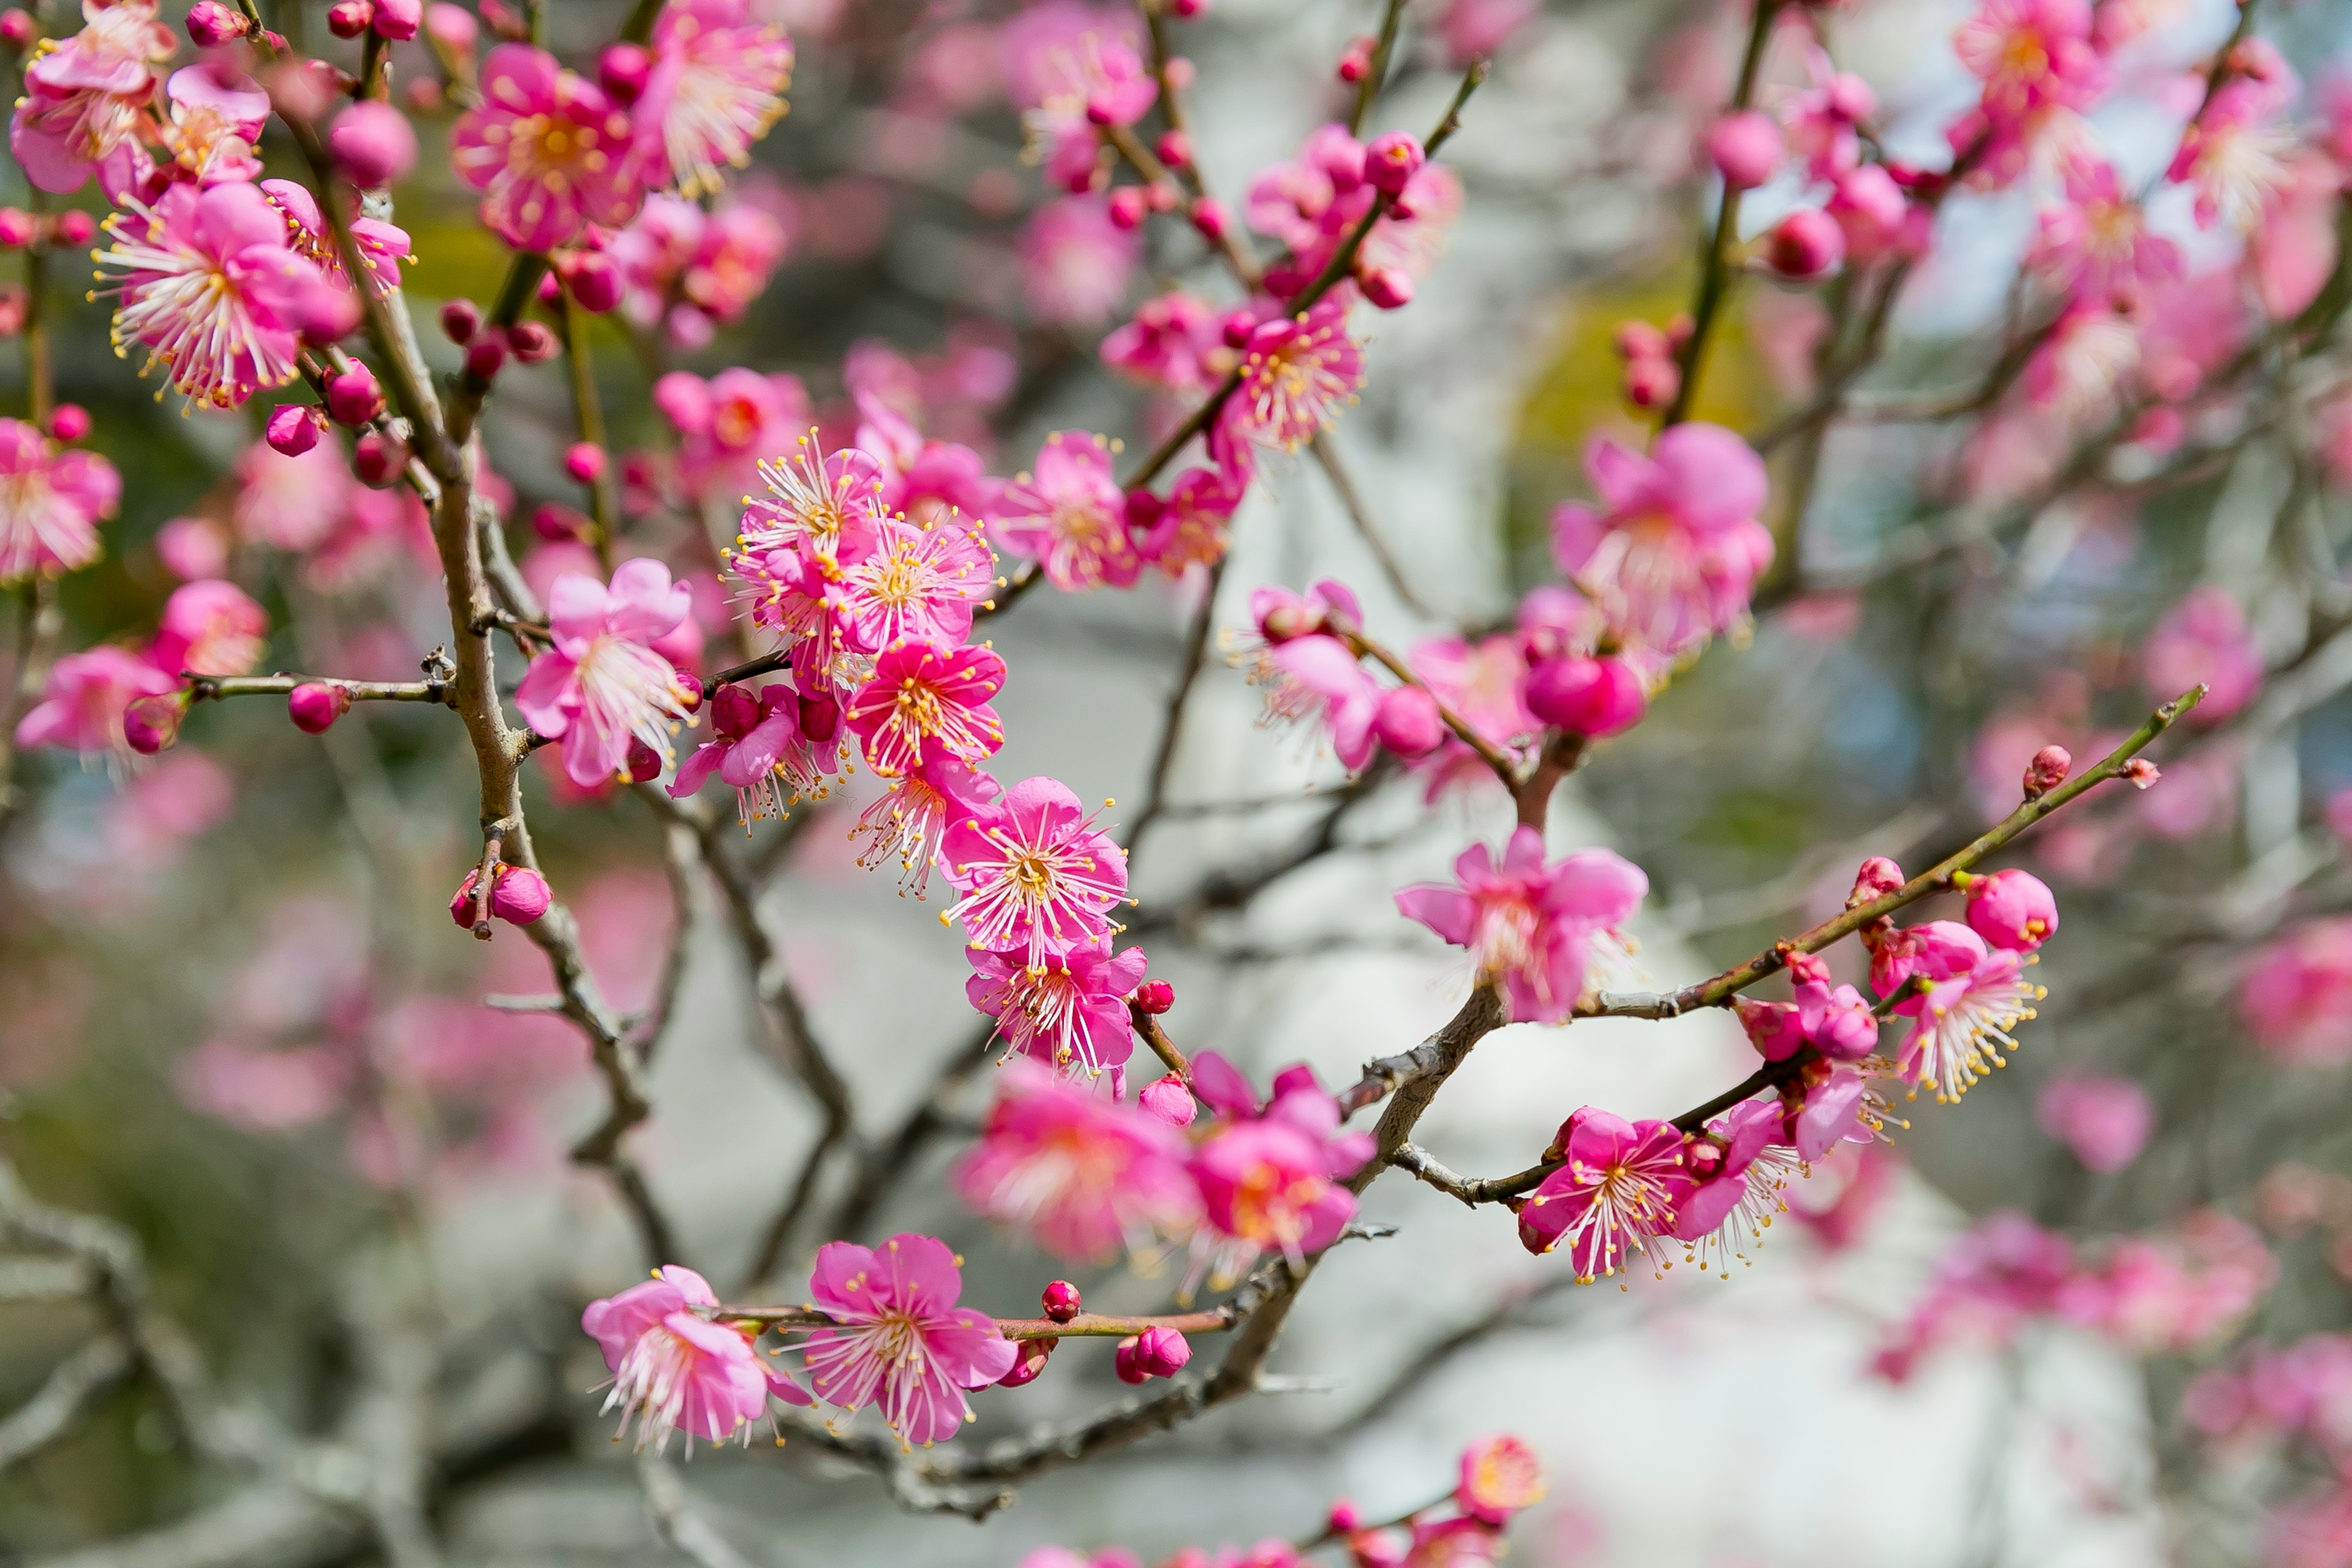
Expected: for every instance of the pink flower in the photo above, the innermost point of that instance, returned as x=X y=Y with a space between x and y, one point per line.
x=2104 y=1121
x=382 y=246
x=2080 y=368
x=717 y=86
x=2013 y=909
x=823 y=501
x=916 y=583
x=291 y=503
x=603 y=685
x=1191 y=527
x=758 y=745
x=1318 y=674
x=1616 y=1194
x=547 y=149
x=210 y=627
x=216 y=116
x=1076 y=262
x=1962 y=1018
x=1821 y=121
x=1501 y=1475
x=1296 y=373
x=1068 y=515
x=1069 y=1012
x=928 y=704
x=1068 y=65
x=674 y=1369
x=1036 y=873
x=2031 y=54
x=1174 y=342
x=83 y=703
x=1530 y=927
x=263 y=1090
x=902 y=1341
x=50 y=504
x=2098 y=242
x=208 y=285
x=1737 y=1170
x=84 y=99
x=685 y=270
x=2204 y=639
x=1080 y=1173
x=2237 y=155
x=1481 y=683
x=909 y=818
x=2297 y=1000
x=1674 y=557
x=1269 y=1178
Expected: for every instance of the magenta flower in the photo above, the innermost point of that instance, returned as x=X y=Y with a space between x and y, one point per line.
x=928 y=704
x=2031 y=54
x=547 y=149
x=208 y=285
x=85 y=101
x=1068 y=515
x=2297 y=999
x=1821 y=121
x=902 y=1341
x=2237 y=155
x=910 y=817
x=1188 y=529
x=1616 y=1193
x=603 y=685
x=760 y=746
x=2204 y=639
x=1737 y=1171
x=1318 y=674
x=1076 y=263
x=1963 y=1015
x=1674 y=556
x=1084 y=1174
x=82 y=704
x=915 y=584
x=1036 y=873
x=2013 y=909
x=1270 y=1177
x=1529 y=926
x=50 y=504
x=1297 y=374
x=382 y=246
x=209 y=627
x=215 y=119
x=1174 y=342
x=2106 y=1122
x=716 y=86
x=824 y=500
x=674 y=1369
x=2098 y=242
x=1069 y=1012
x=1482 y=682
x=686 y=271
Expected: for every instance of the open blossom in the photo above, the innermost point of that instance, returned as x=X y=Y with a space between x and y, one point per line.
x=1737 y=1172
x=210 y=627
x=2080 y=368
x=674 y=1369
x=689 y=271
x=1068 y=515
x=928 y=704
x=81 y=706
x=1036 y=873
x=382 y=246
x=1270 y=1177
x=291 y=503
x=1319 y=675
x=1672 y=555
x=50 y=504
x=1481 y=681
x=2106 y=1122
x=1076 y=262
x=2031 y=54
x=916 y=583
x=547 y=149
x=1191 y=527
x=1614 y=1194
x=1174 y=342
x=901 y=1341
x=814 y=498
x=1963 y=1010
x=910 y=817
x=1069 y=1012
x=717 y=85
x=603 y=685
x=216 y=118
x=2297 y=1000
x=758 y=745
x=85 y=98
x=1297 y=374
x=2204 y=640
x=1069 y=66
x=2236 y=155
x=1083 y=1173
x=1820 y=121
x=2097 y=241
x=1531 y=927
x=206 y=284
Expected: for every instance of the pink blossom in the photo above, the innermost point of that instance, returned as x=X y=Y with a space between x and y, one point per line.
x=916 y=583
x=2031 y=54
x=1065 y=63
x=716 y=86
x=1500 y=1476
x=1174 y=342
x=1963 y=1018
x=210 y=627
x=1531 y=927
x=1076 y=262
x=261 y=1089
x=1035 y=873
x=547 y=149
x=2082 y=364
x=208 y=285
x=2297 y=1000
x=2294 y=248
x=291 y=503
x=1474 y=29
x=1269 y=1177
x=2204 y=640
x=1482 y=683
x=216 y=116
x=1068 y=515
x=1297 y=374
x=2098 y=242
x=760 y=746
x=1188 y=529
x=50 y=504
x=824 y=500
x=1319 y=675
x=1821 y=121
x=902 y=1341
x=1674 y=556
x=1615 y=1192
x=910 y=817
x=1081 y=1173
x=2236 y=154
x=2173 y=1292
x=1069 y=1012
x=603 y=685
x=83 y=103
x=1995 y=1277
x=82 y=703
x=674 y=1369
x=2104 y=1121
x=928 y=704
x=382 y=246
x=1737 y=1170
x=688 y=271
x=2013 y=909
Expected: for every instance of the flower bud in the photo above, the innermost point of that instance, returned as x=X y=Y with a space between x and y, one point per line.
x=1061 y=1300
x=18 y=228
x=76 y=227
x=460 y=319
x=1167 y=1100
x=645 y=764
x=1209 y=216
x=315 y=705
x=556 y=524
x=350 y=18
x=212 y=23
x=1877 y=878
x=1392 y=160
x=2139 y=773
x=378 y=460
x=1805 y=244
x=1774 y=1028
x=1587 y=696
x=69 y=422
x=452 y=26
x=1125 y=207
x=531 y=342
x=1155 y=996
x=1155 y=1352
x=354 y=398
x=1745 y=148
x=1356 y=61
x=1185 y=10
x=622 y=71
x=1175 y=149
x=2047 y=770
x=1029 y=1360
x=152 y=723
x=2013 y=909
x=18 y=29
x=1650 y=383
x=1386 y=288
x=293 y=428
x=397 y=21
x=1408 y=722
x=1345 y=1517
x=485 y=357
x=1637 y=340
x=324 y=310
x=550 y=290
x=593 y=279
x=372 y=144
x=585 y=462
x=518 y=895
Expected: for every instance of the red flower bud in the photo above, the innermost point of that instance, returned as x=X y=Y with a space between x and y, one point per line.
x=315 y=705
x=353 y=397
x=531 y=342
x=378 y=460
x=485 y=357
x=555 y=523
x=585 y=462
x=350 y=18
x=1587 y=696
x=460 y=319
x=18 y=227
x=69 y=422
x=645 y=764
x=1029 y=1360
x=18 y=29
x=1126 y=207
x=2047 y=770
x=1155 y=1352
x=1061 y=1300
x=1387 y=287
x=212 y=23
x=1175 y=149
x=1408 y=722
x=152 y=723
x=1209 y=216
x=293 y=428
x=622 y=71
x=1392 y=160
x=1877 y=878
x=1155 y=996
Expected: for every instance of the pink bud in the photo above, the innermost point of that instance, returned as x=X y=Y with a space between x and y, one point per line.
x=1587 y=696
x=1774 y=1028
x=1392 y=160
x=378 y=460
x=315 y=705
x=1209 y=216
x=1408 y=722
x=76 y=226
x=1805 y=244
x=398 y=20
x=531 y=342
x=1345 y=1517
x=1357 y=59
x=350 y=18
x=1185 y=10
x=1167 y=1100
x=152 y=723
x=17 y=228
x=452 y=26
x=550 y=290
x=555 y=523
x=505 y=20
x=372 y=144
x=485 y=357
x=460 y=319
x=585 y=462
x=1877 y=878
x=354 y=398
x=293 y=428
x=518 y=895
x=1650 y=383
x=1061 y=1300
x=1638 y=340
x=1386 y=288
x=1155 y=1352
x=1029 y=1360
x=1126 y=207
x=593 y=280
x=2047 y=770
x=622 y=71
x=18 y=29
x=1745 y=148
x=1175 y=149
x=69 y=422
x=645 y=764
x=324 y=310
x=2141 y=773
x=2013 y=909
x=1155 y=996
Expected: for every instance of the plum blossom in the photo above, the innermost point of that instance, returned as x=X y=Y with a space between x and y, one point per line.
x=1076 y=262
x=83 y=702
x=2204 y=640
x=603 y=685
x=2235 y=155
x=2097 y=241
x=1820 y=121
x=2031 y=54
x=50 y=504
x=291 y=503
x=916 y=583
x=1068 y=515
x=1081 y=1172
x=759 y=745
x=717 y=85
x=818 y=499
x=209 y=627
x=1036 y=873
x=2013 y=909
x=1296 y=373
x=1069 y=1012
x=85 y=99
x=909 y=818
x=674 y=1369
x=1968 y=998
x=1191 y=527
x=1174 y=342
x=901 y=1342
x=547 y=149
x=928 y=704
x=689 y=271
x=1269 y=1177
x=2297 y=1000
x=1319 y=675
x=382 y=246
x=1531 y=927
x=2106 y=1122
x=1068 y=65
x=1616 y=1193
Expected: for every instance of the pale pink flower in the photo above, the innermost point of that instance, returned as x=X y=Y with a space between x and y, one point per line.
x=1068 y=1012
x=1297 y=374
x=1318 y=675
x=603 y=685
x=910 y=817
x=928 y=704
x=2297 y=1000
x=50 y=504
x=216 y=116
x=1472 y=29
x=2204 y=639
x=208 y=285
x=83 y=703
x=2104 y=1121
x=1270 y=1176
x=1821 y=121
x=210 y=627
x=1065 y=62
x=902 y=1341
x=1068 y=515
x=674 y=1369
x=1962 y=1018
x=1076 y=263
x=1675 y=554
x=85 y=99
x=1080 y=1173
x=2236 y=155
x=2176 y=1291
x=1035 y=873
x=2098 y=242
x=548 y=149
x=2293 y=249
x=1500 y=1476
x=2031 y=54
x=291 y=503
x=1481 y=682
x=261 y=1089
x=1530 y=927
x=2081 y=366
x=717 y=85
x=689 y=271
x=1994 y=1278
x=916 y=583
x=1616 y=1194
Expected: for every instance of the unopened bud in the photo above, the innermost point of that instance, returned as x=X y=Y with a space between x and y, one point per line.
x=1175 y=149
x=1126 y=207
x=76 y=226
x=353 y=397
x=1408 y=722
x=1391 y=161
x=1805 y=244
x=397 y=21
x=1167 y=1100
x=1587 y=696
x=1061 y=1300
x=1345 y=1517
x=593 y=279
x=212 y=23
x=485 y=357
x=2047 y=770
x=1155 y=996
x=372 y=143
x=1386 y=288
x=460 y=319
x=531 y=342
x=1745 y=148
x=18 y=29
x=1877 y=876
x=1155 y=1352
x=1650 y=383
x=556 y=524
x=519 y=896
x=585 y=462
x=151 y=723
x=1357 y=59
x=69 y=422
x=315 y=705
x=622 y=70
x=1029 y=1360
x=645 y=764
x=293 y=428
x=378 y=460
x=1209 y=216
x=18 y=228
x=350 y=18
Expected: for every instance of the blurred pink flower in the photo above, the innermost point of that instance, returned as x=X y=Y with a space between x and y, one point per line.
x=1081 y=1173
x=83 y=103
x=1531 y=927
x=50 y=504
x=2204 y=639
x=716 y=86
x=262 y=1090
x=1269 y=1177
x=2236 y=156
x=291 y=503
x=83 y=702
x=1076 y=263
x=2297 y=1000
x=2097 y=241
x=210 y=627
x=2031 y=54
x=2106 y=1122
